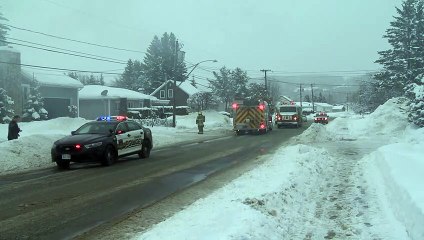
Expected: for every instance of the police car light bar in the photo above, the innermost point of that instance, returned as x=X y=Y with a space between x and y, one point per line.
x=109 y=118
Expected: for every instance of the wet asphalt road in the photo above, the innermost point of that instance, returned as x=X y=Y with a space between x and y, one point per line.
x=52 y=204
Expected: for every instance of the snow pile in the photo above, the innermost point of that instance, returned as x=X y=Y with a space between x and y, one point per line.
x=32 y=149
x=400 y=169
x=242 y=210
x=387 y=122
x=399 y=163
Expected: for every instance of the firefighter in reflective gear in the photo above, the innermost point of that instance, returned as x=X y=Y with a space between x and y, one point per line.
x=200 y=121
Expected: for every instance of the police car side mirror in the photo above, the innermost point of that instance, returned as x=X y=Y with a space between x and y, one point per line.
x=73 y=132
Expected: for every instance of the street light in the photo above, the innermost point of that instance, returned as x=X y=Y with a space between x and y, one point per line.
x=175 y=82
x=197 y=64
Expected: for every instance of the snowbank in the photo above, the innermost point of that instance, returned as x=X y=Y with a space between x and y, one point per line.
x=251 y=206
x=400 y=167
x=399 y=163
x=32 y=149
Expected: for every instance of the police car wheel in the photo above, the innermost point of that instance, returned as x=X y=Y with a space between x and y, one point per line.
x=63 y=165
x=109 y=156
x=145 y=150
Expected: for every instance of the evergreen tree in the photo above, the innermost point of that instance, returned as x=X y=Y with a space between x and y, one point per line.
x=223 y=86
x=132 y=78
x=87 y=79
x=3 y=30
x=257 y=91
x=307 y=98
x=239 y=79
x=34 y=107
x=416 y=114
x=321 y=98
x=101 y=79
x=6 y=107
x=202 y=101
x=400 y=63
x=159 y=62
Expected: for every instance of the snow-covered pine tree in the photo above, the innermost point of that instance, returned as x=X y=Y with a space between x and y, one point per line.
x=3 y=30
x=400 y=63
x=223 y=86
x=195 y=102
x=159 y=62
x=416 y=113
x=34 y=107
x=202 y=101
x=73 y=111
x=6 y=107
x=257 y=91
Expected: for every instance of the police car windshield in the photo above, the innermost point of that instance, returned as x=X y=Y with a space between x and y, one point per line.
x=97 y=128
x=288 y=109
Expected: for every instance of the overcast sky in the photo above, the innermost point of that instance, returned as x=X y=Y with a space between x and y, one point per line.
x=282 y=35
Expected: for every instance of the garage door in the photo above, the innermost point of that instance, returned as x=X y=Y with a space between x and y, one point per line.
x=57 y=107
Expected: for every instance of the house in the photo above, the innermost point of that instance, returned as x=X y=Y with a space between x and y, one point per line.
x=97 y=100
x=339 y=108
x=284 y=100
x=323 y=107
x=307 y=107
x=58 y=92
x=183 y=91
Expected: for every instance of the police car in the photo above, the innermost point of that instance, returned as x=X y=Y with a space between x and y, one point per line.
x=104 y=141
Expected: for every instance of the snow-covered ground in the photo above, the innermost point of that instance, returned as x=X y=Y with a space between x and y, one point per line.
x=359 y=177
x=32 y=149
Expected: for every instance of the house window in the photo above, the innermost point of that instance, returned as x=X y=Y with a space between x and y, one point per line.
x=130 y=104
x=170 y=93
x=162 y=94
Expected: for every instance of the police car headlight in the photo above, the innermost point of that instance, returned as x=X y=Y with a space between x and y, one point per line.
x=93 y=145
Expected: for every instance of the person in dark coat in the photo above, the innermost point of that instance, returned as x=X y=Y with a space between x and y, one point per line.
x=14 y=128
x=200 y=121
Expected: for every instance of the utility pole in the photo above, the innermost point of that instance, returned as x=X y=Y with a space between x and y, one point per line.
x=312 y=92
x=174 y=107
x=347 y=101
x=266 y=81
x=300 y=94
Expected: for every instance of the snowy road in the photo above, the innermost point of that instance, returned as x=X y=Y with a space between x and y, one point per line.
x=69 y=203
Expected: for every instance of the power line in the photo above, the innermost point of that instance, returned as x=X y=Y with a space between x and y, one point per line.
x=72 y=40
x=43 y=45
x=60 y=52
x=62 y=69
x=297 y=84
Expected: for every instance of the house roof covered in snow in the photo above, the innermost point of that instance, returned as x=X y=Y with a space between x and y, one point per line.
x=95 y=92
x=340 y=107
x=323 y=104
x=185 y=86
x=304 y=104
x=53 y=80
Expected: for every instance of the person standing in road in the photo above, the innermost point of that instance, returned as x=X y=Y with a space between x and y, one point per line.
x=200 y=121
x=14 y=128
